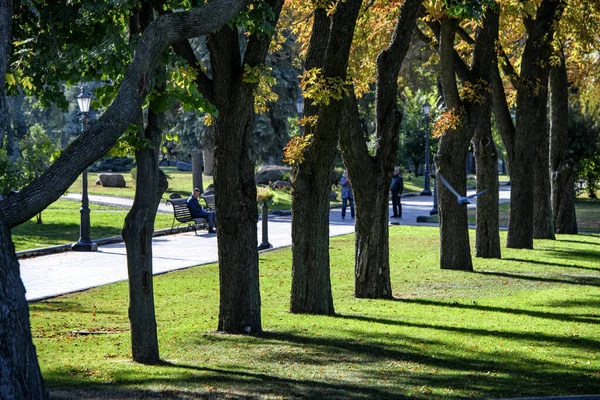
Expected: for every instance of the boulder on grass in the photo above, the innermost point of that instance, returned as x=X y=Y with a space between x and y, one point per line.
x=184 y=166
x=271 y=173
x=112 y=180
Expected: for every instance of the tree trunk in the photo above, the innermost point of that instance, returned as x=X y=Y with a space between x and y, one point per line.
x=235 y=190
x=20 y=376
x=562 y=167
x=151 y=183
x=197 y=167
x=450 y=161
x=138 y=229
x=487 y=237
x=543 y=226
x=209 y=155
x=237 y=216
x=6 y=12
x=531 y=106
x=455 y=247
x=371 y=175
x=311 y=284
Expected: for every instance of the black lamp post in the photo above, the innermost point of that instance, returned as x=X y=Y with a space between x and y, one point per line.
x=265 y=228
x=426 y=190
x=300 y=109
x=84 y=243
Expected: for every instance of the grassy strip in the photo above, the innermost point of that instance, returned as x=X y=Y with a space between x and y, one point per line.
x=521 y=326
x=61 y=225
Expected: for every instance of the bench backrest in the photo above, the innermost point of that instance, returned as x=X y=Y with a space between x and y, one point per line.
x=180 y=209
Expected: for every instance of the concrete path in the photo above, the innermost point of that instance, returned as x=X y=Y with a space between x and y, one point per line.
x=66 y=272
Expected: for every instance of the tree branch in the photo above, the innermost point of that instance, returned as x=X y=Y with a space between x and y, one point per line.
x=103 y=134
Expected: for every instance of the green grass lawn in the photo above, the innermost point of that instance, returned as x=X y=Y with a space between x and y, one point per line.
x=179 y=182
x=61 y=225
x=526 y=325
x=588 y=215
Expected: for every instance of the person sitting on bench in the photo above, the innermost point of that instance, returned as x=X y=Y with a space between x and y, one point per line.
x=197 y=211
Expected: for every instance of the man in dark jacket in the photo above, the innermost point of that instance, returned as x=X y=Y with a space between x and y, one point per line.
x=197 y=211
x=396 y=189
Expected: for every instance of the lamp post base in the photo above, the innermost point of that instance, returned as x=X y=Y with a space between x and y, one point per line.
x=264 y=246
x=84 y=246
x=426 y=192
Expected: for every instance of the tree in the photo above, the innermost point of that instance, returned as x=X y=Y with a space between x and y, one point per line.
x=467 y=108
x=562 y=167
x=522 y=140
x=19 y=371
x=371 y=174
x=324 y=88
x=232 y=88
x=138 y=229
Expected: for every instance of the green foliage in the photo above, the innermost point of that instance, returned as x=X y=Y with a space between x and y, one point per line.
x=10 y=178
x=257 y=19
x=584 y=148
x=37 y=150
x=414 y=128
x=467 y=9
x=589 y=172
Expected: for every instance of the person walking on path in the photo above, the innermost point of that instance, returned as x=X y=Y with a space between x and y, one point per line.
x=197 y=211
x=396 y=188
x=346 y=194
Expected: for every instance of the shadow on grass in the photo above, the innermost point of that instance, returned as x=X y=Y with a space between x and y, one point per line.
x=575 y=280
x=588 y=319
x=553 y=264
x=388 y=370
x=540 y=338
x=578 y=255
x=65 y=306
x=212 y=383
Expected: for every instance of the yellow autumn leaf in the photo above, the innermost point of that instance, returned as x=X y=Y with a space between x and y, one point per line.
x=10 y=79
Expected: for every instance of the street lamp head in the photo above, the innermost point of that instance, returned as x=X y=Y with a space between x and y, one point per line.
x=300 y=105
x=83 y=101
x=426 y=108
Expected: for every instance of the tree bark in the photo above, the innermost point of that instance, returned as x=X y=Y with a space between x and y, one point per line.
x=534 y=72
x=371 y=175
x=235 y=191
x=450 y=160
x=311 y=284
x=138 y=230
x=487 y=237
x=20 y=376
x=473 y=113
x=6 y=12
x=562 y=167
x=543 y=224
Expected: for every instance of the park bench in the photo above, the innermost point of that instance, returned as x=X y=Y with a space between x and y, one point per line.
x=182 y=215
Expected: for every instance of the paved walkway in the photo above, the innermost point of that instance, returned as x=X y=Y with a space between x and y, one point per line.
x=55 y=274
